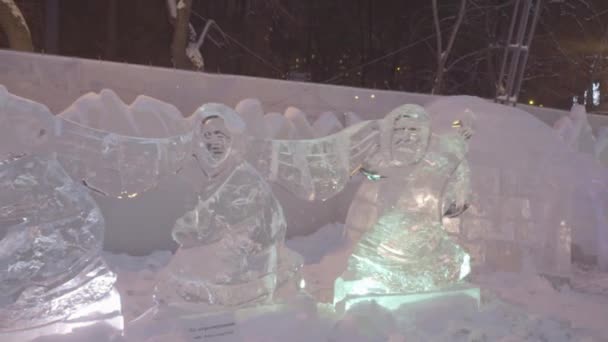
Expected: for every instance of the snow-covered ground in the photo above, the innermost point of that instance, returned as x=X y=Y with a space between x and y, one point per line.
x=514 y=307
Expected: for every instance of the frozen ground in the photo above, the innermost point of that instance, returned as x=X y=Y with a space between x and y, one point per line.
x=514 y=307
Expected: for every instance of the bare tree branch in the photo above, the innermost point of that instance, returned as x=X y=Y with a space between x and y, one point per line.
x=442 y=55
x=180 y=35
x=15 y=27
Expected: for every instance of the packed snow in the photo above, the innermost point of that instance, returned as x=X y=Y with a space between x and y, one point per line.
x=514 y=307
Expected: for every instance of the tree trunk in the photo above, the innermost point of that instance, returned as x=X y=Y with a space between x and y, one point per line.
x=442 y=55
x=180 y=35
x=15 y=27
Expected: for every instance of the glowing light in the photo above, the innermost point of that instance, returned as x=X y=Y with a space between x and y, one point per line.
x=372 y=96
x=465 y=267
x=541 y=106
x=302 y=284
x=398 y=68
x=356 y=97
x=531 y=102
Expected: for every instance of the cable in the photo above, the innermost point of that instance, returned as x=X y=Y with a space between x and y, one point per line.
x=379 y=58
x=248 y=50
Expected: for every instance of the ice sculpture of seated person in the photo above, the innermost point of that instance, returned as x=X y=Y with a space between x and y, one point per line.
x=53 y=283
x=403 y=253
x=231 y=251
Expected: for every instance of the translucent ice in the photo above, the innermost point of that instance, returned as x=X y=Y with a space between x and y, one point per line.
x=277 y=126
x=601 y=146
x=236 y=230
x=317 y=169
x=124 y=156
x=25 y=125
x=52 y=234
x=351 y=118
x=576 y=131
x=531 y=195
x=302 y=128
x=404 y=247
x=112 y=148
x=326 y=124
x=252 y=113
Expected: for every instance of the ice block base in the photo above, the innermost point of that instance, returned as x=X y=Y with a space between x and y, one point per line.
x=463 y=294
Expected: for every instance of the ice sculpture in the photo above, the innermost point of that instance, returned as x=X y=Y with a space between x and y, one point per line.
x=403 y=247
x=236 y=230
x=317 y=169
x=91 y=148
x=50 y=265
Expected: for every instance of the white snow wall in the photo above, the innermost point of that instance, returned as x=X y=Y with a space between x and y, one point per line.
x=141 y=225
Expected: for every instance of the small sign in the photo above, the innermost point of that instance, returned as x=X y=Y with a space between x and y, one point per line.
x=215 y=328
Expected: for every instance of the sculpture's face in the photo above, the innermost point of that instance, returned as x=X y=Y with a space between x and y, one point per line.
x=215 y=138
x=219 y=132
x=49 y=228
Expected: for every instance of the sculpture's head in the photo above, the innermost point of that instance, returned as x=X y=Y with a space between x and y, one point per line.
x=217 y=140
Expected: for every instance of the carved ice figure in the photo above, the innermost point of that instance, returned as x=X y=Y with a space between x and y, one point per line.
x=50 y=265
x=232 y=251
x=403 y=247
x=237 y=228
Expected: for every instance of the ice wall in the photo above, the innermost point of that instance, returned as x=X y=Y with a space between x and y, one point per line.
x=531 y=194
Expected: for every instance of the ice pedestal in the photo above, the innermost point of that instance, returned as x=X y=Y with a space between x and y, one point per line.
x=466 y=296
x=52 y=279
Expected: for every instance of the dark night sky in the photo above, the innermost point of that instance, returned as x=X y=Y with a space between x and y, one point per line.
x=330 y=39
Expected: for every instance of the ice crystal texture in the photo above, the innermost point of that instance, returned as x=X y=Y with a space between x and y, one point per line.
x=99 y=140
x=317 y=169
x=232 y=251
x=51 y=238
x=403 y=246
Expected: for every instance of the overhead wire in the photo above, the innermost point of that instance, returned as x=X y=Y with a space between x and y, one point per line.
x=242 y=46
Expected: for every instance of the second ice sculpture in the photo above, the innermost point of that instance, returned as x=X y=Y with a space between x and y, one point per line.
x=232 y=251
x=403 y=247
x=50 y=265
